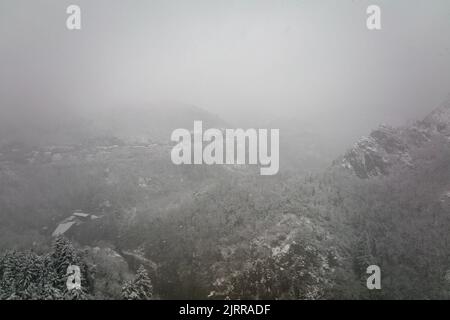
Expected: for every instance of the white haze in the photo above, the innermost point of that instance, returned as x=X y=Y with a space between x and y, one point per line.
x=249 y=62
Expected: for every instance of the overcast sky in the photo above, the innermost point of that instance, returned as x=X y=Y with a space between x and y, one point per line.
x=238 y=59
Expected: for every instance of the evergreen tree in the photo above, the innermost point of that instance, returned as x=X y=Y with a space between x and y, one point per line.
x=140 y=288
x=364 y=256
x=64 y=254
x=26 y=275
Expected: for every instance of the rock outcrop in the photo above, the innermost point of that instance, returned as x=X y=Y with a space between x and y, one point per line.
x=388 y=147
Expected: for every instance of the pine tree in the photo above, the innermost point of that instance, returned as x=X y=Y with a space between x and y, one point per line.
x=128 y=292
x=64 y=254
x=49 y=292
x=10 y=270
x=140 y=288
x=26 y=275
x=76 y=294
x=364 y=256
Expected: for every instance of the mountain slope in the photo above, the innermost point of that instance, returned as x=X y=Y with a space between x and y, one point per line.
x=387 y=148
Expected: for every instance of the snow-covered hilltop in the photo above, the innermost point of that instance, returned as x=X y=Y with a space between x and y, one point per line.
x=388 y=147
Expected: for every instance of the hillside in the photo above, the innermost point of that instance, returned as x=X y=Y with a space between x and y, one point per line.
x=387 y=148
x=217 y=232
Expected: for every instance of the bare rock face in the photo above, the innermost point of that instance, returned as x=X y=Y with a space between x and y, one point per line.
x=387 y=147
x=438 y=122
x=375 y=154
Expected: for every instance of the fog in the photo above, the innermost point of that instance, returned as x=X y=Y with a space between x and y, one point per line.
x=113 y=185
x=247 y=61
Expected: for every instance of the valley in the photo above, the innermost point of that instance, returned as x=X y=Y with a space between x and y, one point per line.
x=225 y=231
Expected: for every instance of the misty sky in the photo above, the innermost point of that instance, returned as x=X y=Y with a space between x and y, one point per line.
x=243 y=60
